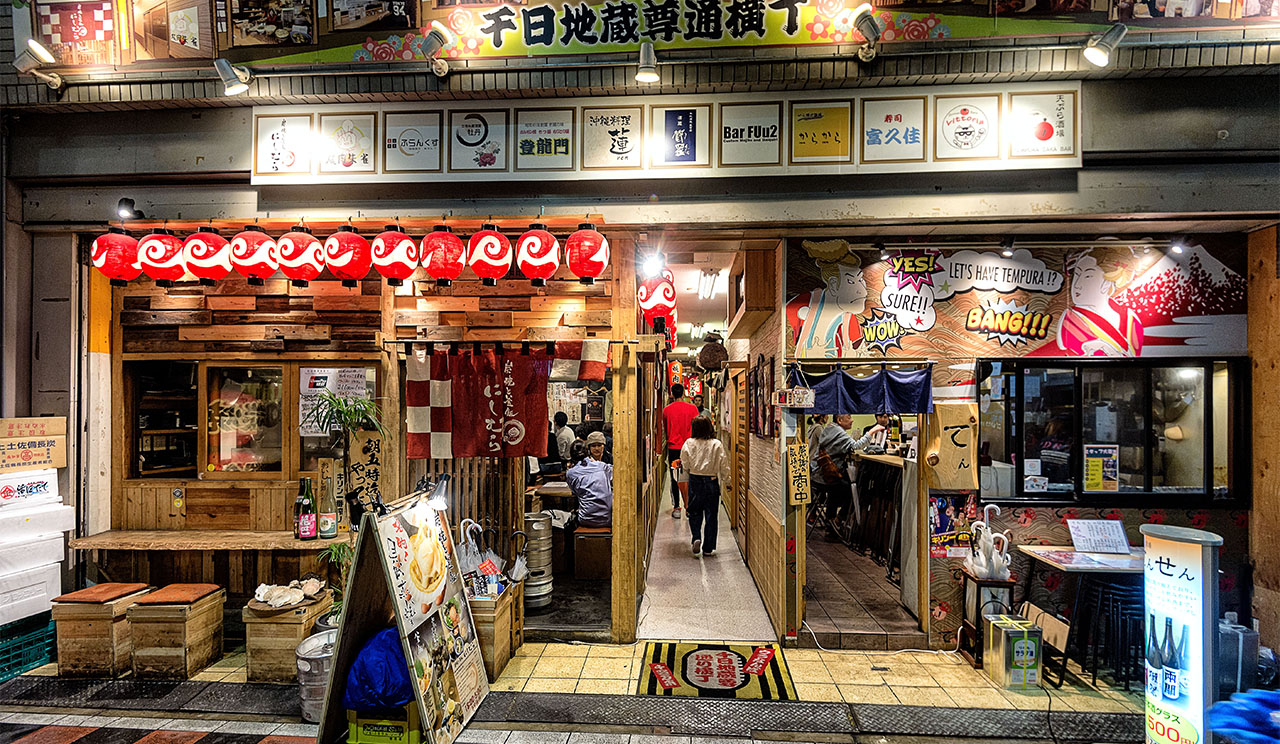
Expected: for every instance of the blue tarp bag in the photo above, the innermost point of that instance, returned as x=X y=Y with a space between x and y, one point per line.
x=379 y=678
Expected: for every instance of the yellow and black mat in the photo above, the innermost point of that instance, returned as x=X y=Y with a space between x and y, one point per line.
x=741 y=671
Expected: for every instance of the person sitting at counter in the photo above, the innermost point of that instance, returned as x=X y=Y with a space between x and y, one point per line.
x=591 y=483
x=596 y=447
x=829 y=464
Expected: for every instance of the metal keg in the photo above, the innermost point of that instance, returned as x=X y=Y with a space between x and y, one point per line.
x=537 y=588
x=315 y=656
x=537 y=591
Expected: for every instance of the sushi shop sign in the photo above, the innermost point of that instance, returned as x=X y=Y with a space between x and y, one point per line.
x=940 y=128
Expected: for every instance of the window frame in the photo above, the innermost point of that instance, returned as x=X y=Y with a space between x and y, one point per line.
x=1238 y=492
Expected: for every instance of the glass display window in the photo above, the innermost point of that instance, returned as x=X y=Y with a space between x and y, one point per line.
x=244 y=419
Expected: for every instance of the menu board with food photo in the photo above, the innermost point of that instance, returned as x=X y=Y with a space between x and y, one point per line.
x=434 y=618
x=272 y=23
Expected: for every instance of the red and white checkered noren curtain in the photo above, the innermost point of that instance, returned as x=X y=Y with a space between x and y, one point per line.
x=71 y=23
x=428 y=405
x=580 y=360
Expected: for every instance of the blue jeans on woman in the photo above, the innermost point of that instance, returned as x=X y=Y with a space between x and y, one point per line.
x=704 y=507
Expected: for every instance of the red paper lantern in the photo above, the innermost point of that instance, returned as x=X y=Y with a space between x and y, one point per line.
x=253 y=255
x=348 y=255
x=587 y=253
x=116 y=256
x=207 y=255
x=160 y=255
x=301 y=255
x=395 y=255
x=657 y=299
x=443 y=255
x=538 y=254
x=490 y=255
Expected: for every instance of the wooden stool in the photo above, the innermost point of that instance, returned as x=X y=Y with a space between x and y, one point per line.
x=272 y=638
x=177 y=630
x=592 y=552
x=93 y=630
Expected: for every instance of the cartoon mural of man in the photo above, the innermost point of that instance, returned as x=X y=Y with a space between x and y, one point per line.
x=824 y=322
x=1095 y=324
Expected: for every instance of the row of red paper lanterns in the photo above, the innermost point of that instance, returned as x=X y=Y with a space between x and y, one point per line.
x=301 y=256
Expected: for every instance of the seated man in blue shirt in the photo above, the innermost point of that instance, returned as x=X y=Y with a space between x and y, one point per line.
x=591 y=483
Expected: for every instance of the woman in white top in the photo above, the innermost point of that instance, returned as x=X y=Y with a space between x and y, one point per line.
x=703 y=458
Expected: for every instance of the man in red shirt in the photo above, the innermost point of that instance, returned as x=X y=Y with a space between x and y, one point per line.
x=677 y=420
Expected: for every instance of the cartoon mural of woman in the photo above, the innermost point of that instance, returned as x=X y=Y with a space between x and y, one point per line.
x=1095 y=324
x=824 y=322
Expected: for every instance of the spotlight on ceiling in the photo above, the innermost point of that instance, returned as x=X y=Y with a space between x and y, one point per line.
x=1006 y=247
x=30 y=61
x=235 y=79
x=864 y=20
x=1100 y=48
x=438 y=38
x=884 y=252
x=1176 y=246
x=127 y=211
x=652 y=265
x=648 y=70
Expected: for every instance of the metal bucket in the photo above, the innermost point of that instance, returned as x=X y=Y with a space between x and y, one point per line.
x=315 y=657
x=537 y=591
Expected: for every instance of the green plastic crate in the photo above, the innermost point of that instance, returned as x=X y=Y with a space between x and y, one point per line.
x=26 y=644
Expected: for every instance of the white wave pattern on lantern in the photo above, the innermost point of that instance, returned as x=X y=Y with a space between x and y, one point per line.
x=395 y=254
x=160 y=256
x=538 y=254
x=301 y=255
x=493 y=252
x=592 y=265
x=116 y=256
x=337 y=254
x=253 y=254
x=207 y=255
x=657 y=296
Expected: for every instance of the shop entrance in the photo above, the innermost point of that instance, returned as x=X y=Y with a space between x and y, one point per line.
x=709 y=595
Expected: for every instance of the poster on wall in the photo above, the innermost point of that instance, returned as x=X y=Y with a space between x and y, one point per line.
x=750 y=134
x=478 y=140
x=269 y=23
x=544 y=139
x=1107 y=298
x=346 y=382
x=434 y=618
x=184 y=27
x=412 y=142
x=348 y=140
x=1102 y=467
x=967 y=127
x=821 y=132
x=681 y=136
x=950 y=525
x=77 y=33
x=282 y=145
x=612 y=138
x=894 y=130
x=372 y=15
x=1042 y=125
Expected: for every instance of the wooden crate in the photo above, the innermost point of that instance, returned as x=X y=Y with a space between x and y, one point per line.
x=493 y=629
x=93 y=637
x=517 y=617
x=271 y=641
x=176 y=641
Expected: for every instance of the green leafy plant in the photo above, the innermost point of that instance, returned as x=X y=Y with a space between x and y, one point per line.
x=333 y=412
x=339 y=555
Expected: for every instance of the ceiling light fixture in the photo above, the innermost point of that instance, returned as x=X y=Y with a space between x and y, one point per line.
x=125 y=208
x=1006 y=247
x=1100 y=48
x=235 y=79
x=864 y=20
x=652 y=265
x=648 y=70
x=884 y=252
x=30 y=61
x=1176 y=247
x=438 y=38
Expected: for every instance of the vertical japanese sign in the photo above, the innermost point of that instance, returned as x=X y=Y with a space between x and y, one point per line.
x=798 y=472
x=434 y=618
x=612 y=138
x=1181 y=588
x=893 y=130
x=1102 y=467
x=366 y=466
x=1042 y=125
x=544 y=140
x=282 y=144
x=682 y=136
x=820 y=132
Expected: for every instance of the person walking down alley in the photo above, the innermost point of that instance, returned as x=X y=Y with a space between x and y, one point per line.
x=677 y=418
x=703 y=458
x=829 y=464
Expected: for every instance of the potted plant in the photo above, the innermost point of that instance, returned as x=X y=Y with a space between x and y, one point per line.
x=337 y=555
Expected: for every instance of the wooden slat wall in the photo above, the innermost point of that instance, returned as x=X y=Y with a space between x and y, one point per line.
x=482 y=488
x=765 y=557
x=209 y=505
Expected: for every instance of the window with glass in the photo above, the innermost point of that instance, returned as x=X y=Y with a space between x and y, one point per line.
x=244 y=419
x=1090 y=430
x=346 y=382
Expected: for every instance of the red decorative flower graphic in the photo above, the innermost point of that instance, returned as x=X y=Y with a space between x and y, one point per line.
x=460 y=21
x=1066 y=514
x=915 y=30
x=942 y=610
x=818 y=28
x=1226 y=582
x=1113 y=514
x=1241 y=519
x=1052 y=581
x=1200 y=519
x=1156 y=516
x=1027 y=517
x=830 y=7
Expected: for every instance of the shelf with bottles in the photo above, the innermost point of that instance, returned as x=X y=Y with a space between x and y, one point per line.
x=161 y=397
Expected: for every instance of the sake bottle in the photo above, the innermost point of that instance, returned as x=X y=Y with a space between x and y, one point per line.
x=1170 y=687
x=306 y=506
x=1153 y=660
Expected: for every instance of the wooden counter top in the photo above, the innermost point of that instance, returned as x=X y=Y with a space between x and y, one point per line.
x=892 y=461
x=199 y=540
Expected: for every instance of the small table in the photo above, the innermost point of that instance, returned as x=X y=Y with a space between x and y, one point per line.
x=1069 y=560
x=555 y=495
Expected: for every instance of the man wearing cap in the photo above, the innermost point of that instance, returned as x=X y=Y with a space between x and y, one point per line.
x=597 y=447
x=591 y=483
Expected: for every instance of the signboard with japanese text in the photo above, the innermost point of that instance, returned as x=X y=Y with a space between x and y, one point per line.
x=1180 y=584
x=544 y=139
x=665 y=136
x=346 y=382
x=798 y=490
x=412 y=143
x=1102 y=467
x=434 y=619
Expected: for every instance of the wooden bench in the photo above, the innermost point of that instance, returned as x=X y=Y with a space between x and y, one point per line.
x=272 y=638
x=177 y=630
x=93 y=630
x=592 y=552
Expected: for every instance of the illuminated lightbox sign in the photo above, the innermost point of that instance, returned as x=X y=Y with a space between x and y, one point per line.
x=1181 y=588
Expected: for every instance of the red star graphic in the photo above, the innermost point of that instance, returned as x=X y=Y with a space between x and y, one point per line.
x=919 y=320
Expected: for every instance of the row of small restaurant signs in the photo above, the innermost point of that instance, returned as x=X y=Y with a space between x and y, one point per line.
x=914 y=129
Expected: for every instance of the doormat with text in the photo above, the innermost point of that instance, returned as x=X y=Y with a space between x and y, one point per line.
x=715 y=670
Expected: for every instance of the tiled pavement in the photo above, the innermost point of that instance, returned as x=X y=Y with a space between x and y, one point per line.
x=850 y=604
